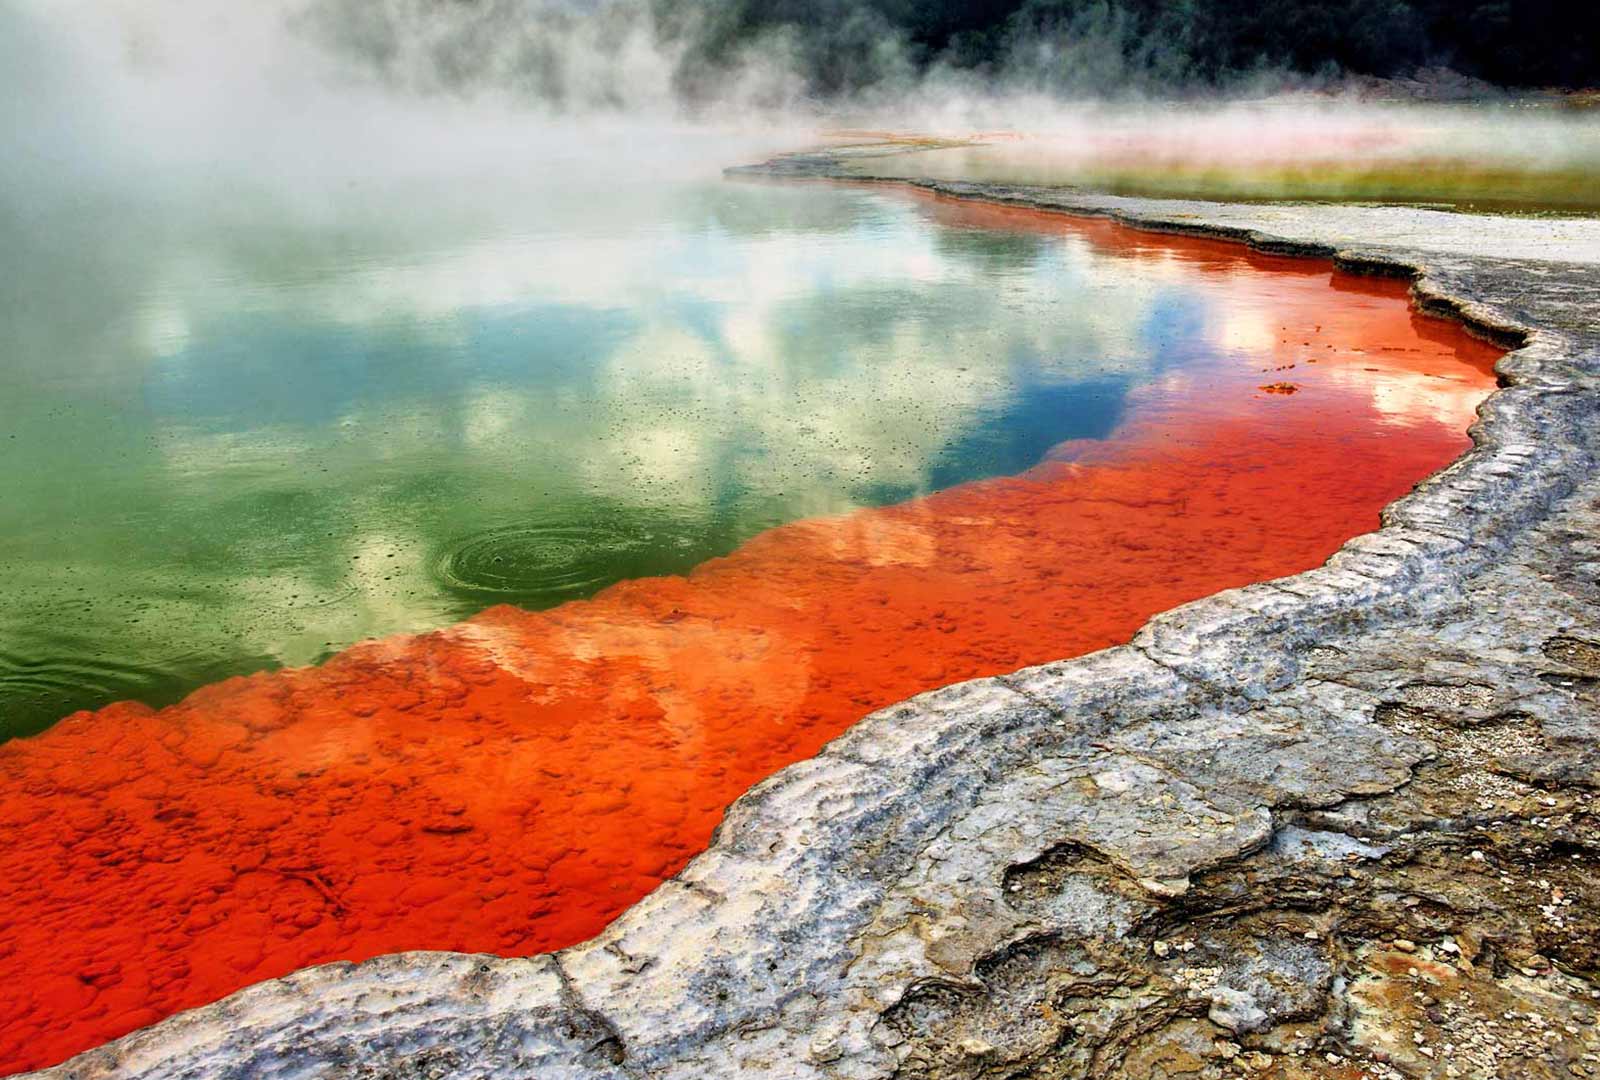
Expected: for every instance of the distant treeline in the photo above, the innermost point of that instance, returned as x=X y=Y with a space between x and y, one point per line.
x=846 y=45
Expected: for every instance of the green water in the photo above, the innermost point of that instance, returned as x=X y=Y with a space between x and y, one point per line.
x=239 y=433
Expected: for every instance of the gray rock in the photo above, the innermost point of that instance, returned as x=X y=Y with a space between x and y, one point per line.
x=1237 y=1011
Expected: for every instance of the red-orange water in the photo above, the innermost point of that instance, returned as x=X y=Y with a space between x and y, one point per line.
x=512 y=783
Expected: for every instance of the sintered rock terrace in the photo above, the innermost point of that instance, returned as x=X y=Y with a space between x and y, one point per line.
x=1335 y=825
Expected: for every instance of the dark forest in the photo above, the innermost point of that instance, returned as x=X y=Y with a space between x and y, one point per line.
x=1159 y=44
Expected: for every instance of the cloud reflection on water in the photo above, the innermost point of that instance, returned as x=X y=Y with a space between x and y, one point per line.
x=263 y=447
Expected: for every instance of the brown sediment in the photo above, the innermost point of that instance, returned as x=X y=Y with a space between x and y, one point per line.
x=510 y=784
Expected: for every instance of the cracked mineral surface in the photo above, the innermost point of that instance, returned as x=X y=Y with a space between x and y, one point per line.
x=1336 y=825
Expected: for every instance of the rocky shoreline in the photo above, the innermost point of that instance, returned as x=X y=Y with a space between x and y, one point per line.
x=1336 y=825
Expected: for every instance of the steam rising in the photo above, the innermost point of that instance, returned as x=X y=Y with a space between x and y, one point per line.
x=159 y=98
x=295 y=95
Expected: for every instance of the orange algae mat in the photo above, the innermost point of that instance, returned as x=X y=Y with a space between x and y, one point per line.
x=512 y=783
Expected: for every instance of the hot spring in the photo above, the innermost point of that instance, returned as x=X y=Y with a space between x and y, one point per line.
x=428 y=568
x=431 y=491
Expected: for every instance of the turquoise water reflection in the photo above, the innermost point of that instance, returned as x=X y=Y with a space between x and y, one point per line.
x=254 y=435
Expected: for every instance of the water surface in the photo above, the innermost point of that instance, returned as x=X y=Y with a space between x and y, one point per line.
x=253 y=434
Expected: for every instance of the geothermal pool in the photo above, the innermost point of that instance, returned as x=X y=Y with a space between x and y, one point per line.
x=435 y=580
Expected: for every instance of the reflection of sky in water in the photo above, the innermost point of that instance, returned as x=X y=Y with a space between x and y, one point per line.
x=251 y=371
x=275 y=438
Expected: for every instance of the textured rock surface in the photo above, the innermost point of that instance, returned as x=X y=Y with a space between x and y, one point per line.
x=1339 y=824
